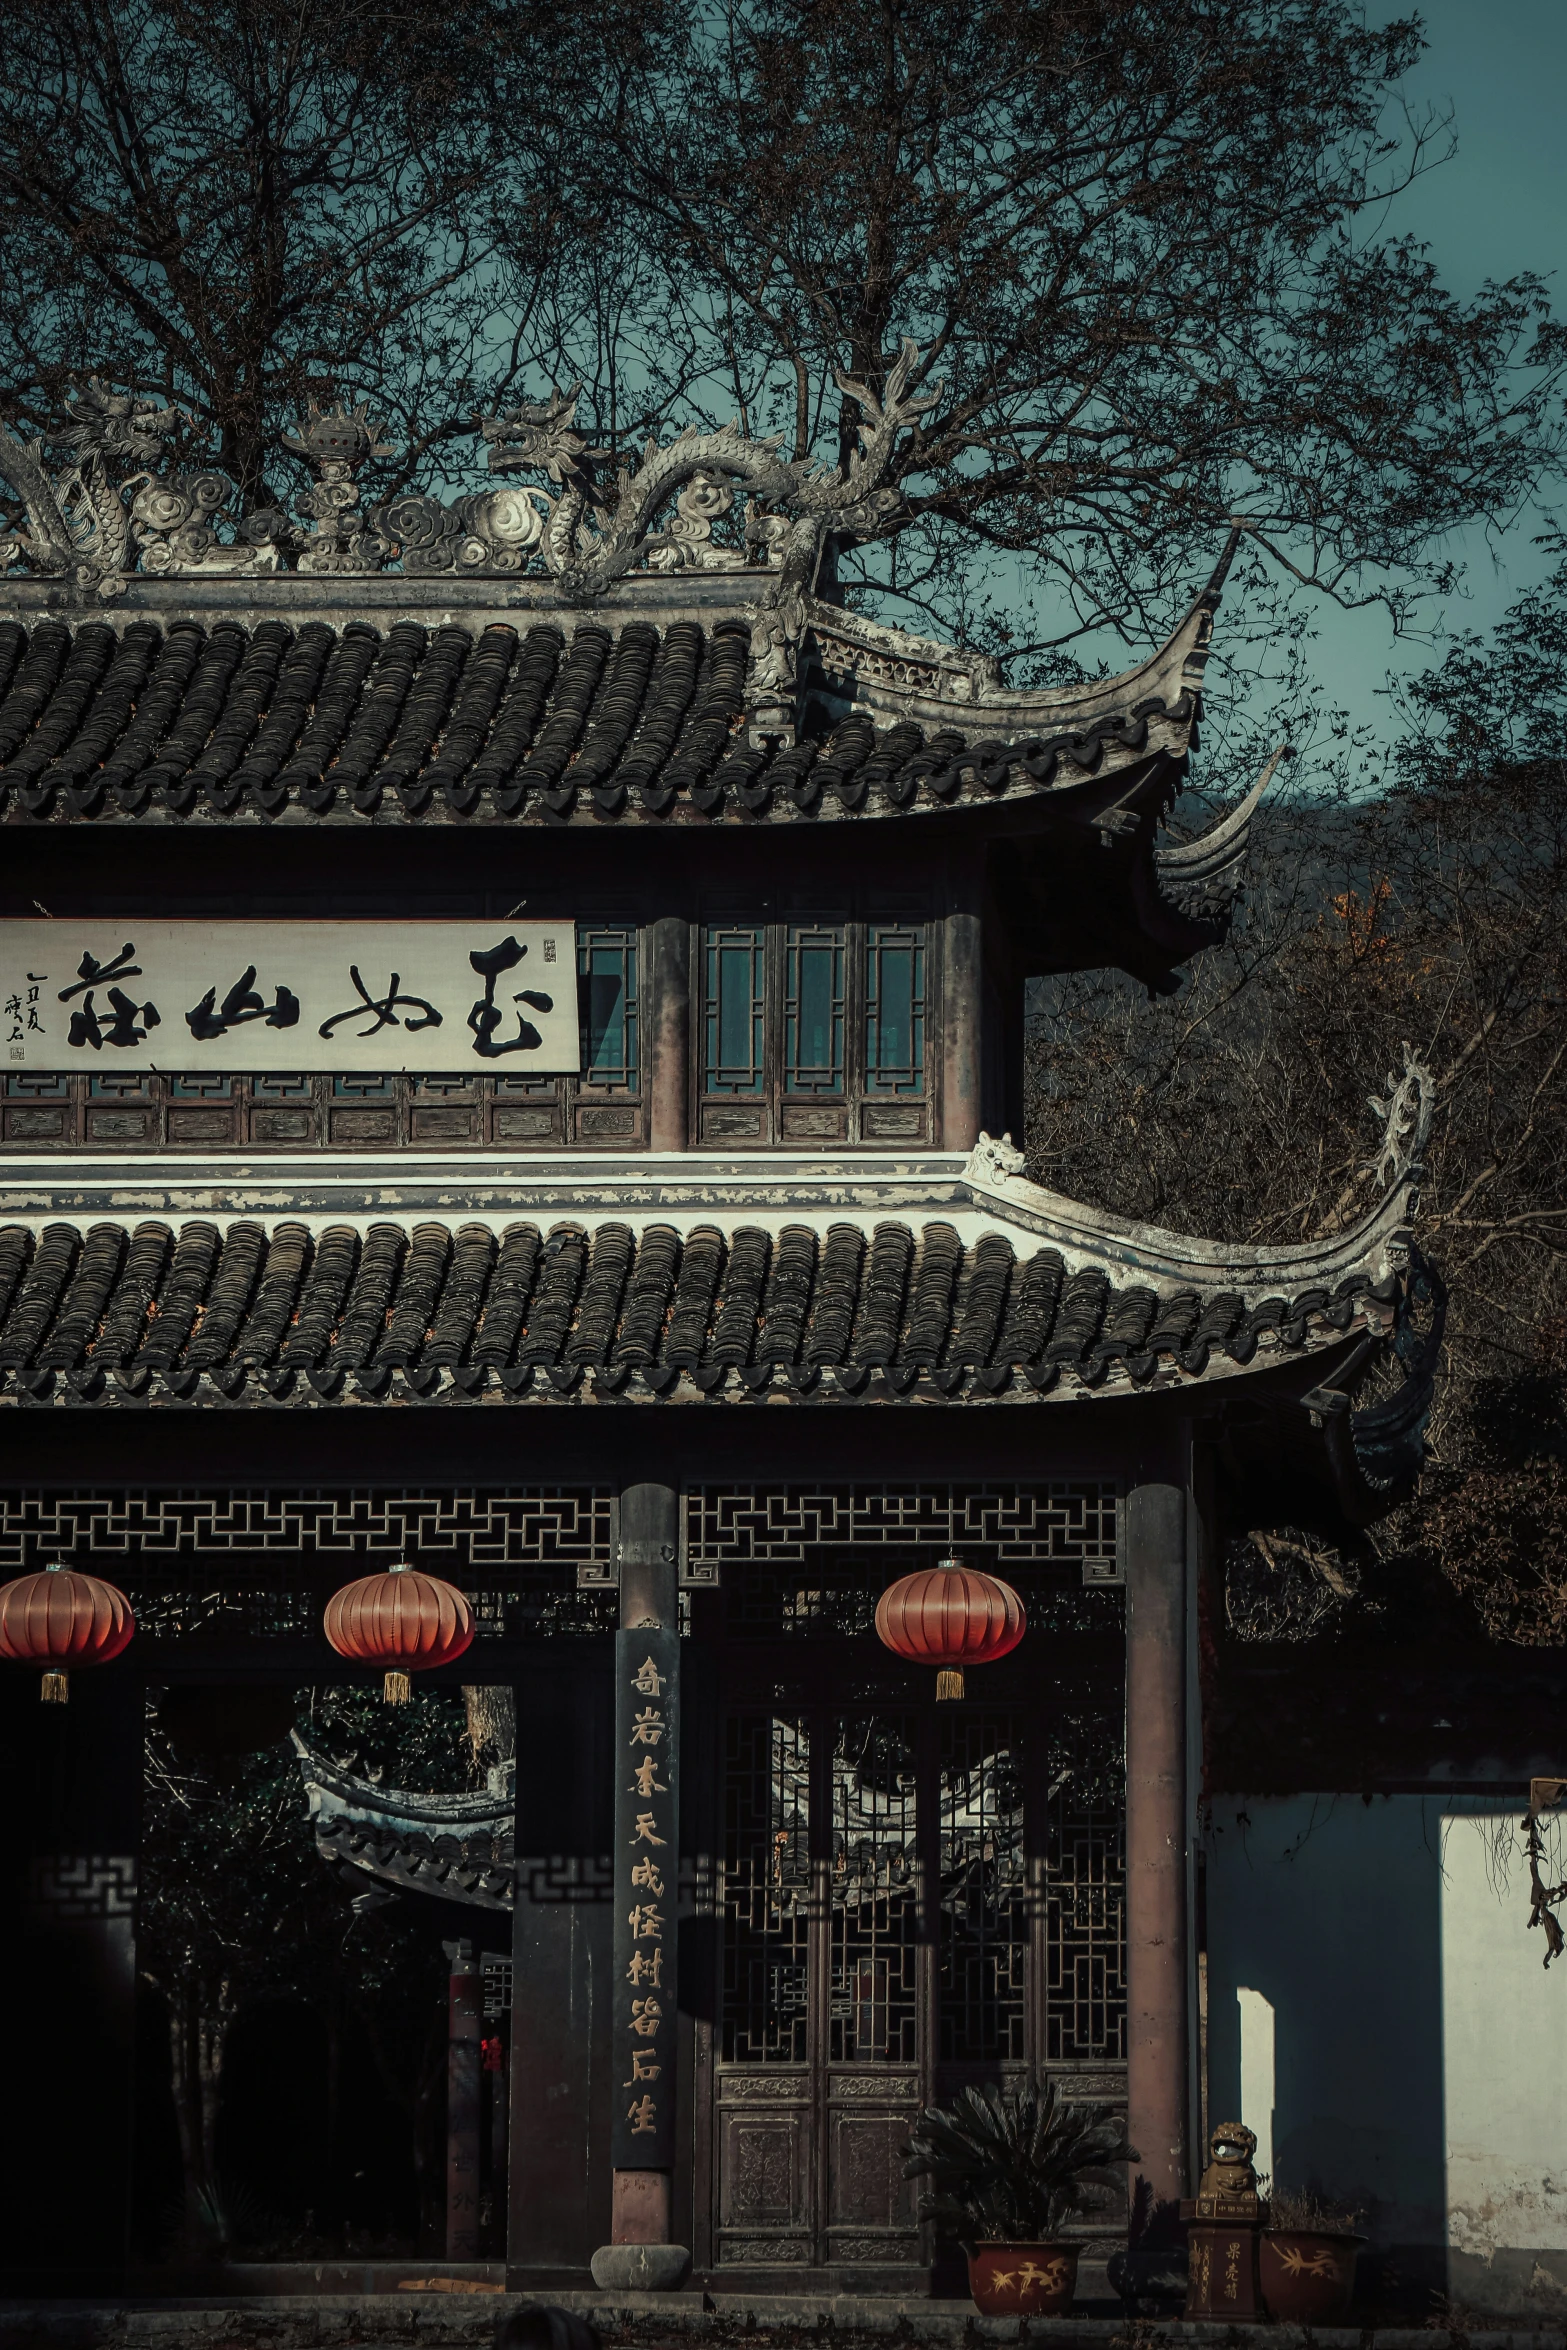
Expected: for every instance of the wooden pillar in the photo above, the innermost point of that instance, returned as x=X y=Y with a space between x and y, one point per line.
x=646 y=1867
x=73 y=1778
x=1156 y=1860
x=495 y=2074
x=558 y=2183
x=463 y=2093
x=668 y=1032
x=962 y=1021
x=1012 y=1090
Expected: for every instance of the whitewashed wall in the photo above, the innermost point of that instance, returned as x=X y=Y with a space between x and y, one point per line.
x=1369 y=1965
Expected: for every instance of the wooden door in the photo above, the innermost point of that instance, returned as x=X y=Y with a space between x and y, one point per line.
x=878 y=1923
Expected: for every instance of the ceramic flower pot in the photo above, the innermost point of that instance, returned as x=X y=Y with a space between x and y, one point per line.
x=1023 y=2280
x=1307 y=2274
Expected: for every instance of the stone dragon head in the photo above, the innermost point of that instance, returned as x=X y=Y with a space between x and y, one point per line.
x=130 y=427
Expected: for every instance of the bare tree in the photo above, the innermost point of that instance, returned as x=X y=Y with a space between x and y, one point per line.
x=1144 y=253
x=246 y=203
x=1433 y=911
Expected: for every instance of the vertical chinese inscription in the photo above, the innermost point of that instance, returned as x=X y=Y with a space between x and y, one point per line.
x=647 y=1846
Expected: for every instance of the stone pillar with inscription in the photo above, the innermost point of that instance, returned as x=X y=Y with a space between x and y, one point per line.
x=644 y=2000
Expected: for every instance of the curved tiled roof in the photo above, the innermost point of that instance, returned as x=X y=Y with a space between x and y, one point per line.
x=158 y=716
x=243 y=1309
x=458 y=1847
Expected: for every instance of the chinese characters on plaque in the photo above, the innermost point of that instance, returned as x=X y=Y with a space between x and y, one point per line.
x=301 y=996
x=647 y=1873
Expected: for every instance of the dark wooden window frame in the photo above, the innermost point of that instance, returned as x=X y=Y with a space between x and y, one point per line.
x=775 y=1114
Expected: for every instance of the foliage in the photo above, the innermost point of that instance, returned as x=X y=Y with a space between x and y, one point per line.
x=1283 y=1583
x=1308 y=2213
x=245 y=203
x=237 y=1908
x=421 y=1744
x=1434 y=909
x=1134 y=247
x=1147 y=258
x=1010 y=2167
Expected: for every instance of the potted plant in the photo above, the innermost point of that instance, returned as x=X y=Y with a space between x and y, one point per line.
x=1007 y=2171
x=1306 y=2260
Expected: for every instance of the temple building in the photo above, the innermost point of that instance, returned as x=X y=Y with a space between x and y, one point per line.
x=514 y=1022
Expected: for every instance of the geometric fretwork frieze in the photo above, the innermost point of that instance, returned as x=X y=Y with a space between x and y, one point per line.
x=81 y=1885
x=1068 y=1523
x=472 y=1532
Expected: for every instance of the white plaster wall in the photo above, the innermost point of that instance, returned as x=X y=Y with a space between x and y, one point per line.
x=1504 y=2046
x=1419 y=2048
x=1327 y=1908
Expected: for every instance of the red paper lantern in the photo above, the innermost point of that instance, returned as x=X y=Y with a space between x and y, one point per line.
x=400 y=1619
x=950 y=1615
x=59 y=1618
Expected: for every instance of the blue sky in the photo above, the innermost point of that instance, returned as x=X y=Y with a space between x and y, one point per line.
x=1498 y=207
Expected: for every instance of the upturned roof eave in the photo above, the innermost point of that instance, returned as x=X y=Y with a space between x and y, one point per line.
x=1174 y=669
x=978 y=1191
x=1170 y=1258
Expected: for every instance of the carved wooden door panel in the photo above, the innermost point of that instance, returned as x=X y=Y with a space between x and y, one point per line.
x=912 y=1900
x=822 y=2050
x=765 y=2154
x=874 y=1962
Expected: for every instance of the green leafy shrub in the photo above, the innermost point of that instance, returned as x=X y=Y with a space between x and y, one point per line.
x=1012 y=2169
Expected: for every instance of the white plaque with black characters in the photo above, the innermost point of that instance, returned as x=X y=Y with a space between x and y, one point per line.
x=301 y=996
x=647 y=1877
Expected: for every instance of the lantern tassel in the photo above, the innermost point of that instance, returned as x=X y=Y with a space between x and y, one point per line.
x=949 y=1683
x=54 y=1689
x=398 y=1689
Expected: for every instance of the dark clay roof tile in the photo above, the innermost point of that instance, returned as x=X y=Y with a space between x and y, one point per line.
x=258 y=1305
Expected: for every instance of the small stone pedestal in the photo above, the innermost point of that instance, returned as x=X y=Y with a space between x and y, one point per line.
x=1224 y=2221
x=1221 y=2276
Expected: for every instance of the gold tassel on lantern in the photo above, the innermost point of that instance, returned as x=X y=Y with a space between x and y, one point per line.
x=398 y=1689
x=54 y=1689
x=949 y=1683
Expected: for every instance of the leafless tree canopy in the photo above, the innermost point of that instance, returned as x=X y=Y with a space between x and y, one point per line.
x=249 y=202
x=1436 y=912
x=1142 y=251
x=1145 y=251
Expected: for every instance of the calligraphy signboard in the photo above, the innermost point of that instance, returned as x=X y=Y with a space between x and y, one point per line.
x=647 y=1873
x=301 y=996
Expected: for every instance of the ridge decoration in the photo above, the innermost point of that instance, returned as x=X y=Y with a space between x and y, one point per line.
x=100 y=498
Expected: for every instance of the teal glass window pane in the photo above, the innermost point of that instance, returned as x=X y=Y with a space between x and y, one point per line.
x=895 y=1009
x=607 y=1005
x=813 y=1009
x=734 y=965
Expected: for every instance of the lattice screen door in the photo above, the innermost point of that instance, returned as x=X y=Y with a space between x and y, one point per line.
x=907 y=1903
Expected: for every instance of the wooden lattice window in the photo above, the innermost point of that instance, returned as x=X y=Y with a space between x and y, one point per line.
x=608 y=1007
x=814 y=1028
x=734 y=1004
x=815 y=1008
x=832 y=1817
x=766 y=1896
x=895 y=1009
x=984 y=1888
